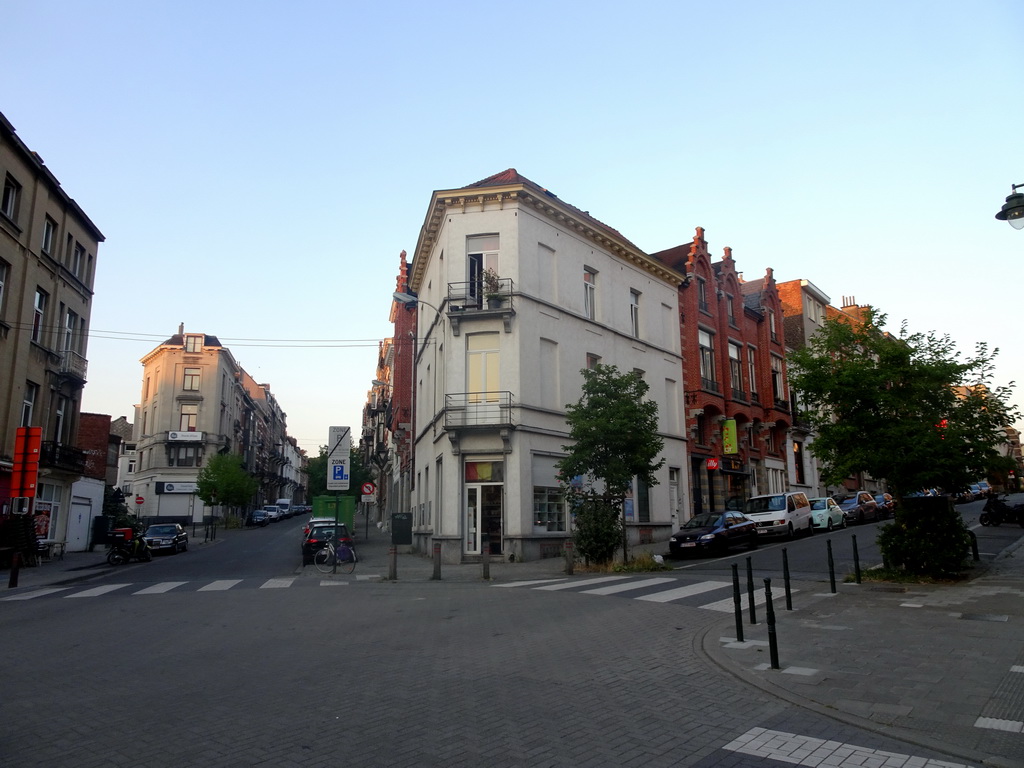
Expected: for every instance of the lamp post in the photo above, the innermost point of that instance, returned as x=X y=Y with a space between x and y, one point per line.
x=1013 y=209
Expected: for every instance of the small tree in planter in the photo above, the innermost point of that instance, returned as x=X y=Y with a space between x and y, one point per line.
x=492 y=287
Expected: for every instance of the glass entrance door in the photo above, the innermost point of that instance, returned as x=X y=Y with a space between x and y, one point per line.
x=483 y=514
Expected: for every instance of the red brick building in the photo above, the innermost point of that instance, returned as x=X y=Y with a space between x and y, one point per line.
x=736 y=398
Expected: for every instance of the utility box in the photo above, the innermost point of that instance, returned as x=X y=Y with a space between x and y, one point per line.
x=341 y=508
x=401 y=529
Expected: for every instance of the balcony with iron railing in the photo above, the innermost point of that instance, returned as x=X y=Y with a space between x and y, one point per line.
x=74 y=365
x=479 y=299
x=478 y=410
x=55 y=455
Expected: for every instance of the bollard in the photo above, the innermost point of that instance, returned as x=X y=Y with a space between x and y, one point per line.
x=568 y=557
x=392 y=563
x=485 y=556
x=856 y=560
x=437 y=561
x=785 y=580
x=750 y=592
x=831 y=568
x=15 y=567
x=773 y=643
x=974 y=545
x=737 y=603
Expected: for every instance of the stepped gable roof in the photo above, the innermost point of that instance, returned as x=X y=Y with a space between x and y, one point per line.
x=178 y=340
x=512 y=176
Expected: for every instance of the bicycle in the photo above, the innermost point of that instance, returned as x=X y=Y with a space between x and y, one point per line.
x=324 y=559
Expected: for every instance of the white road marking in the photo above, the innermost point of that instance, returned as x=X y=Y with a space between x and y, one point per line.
x=38 y=593
x=277 y=584
x=220 y=585
x=687 y=591
x=805 y=750
x=587 y=583
x=97 y=591
x=159 y=589
x=726 y=606
x=616 y=588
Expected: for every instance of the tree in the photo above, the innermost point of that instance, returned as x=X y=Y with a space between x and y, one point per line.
x=224 y=481
x=614 y=430
x=905 y=408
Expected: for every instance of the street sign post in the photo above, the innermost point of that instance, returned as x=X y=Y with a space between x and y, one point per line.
x=339 y=445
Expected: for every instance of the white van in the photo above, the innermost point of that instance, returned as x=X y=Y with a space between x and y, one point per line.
x=780 y=514
x=285 y=506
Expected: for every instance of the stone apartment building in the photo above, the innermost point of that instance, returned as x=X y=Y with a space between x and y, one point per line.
x=737 y=406
x=518 y=292
x=198 y=401
x=48 y=250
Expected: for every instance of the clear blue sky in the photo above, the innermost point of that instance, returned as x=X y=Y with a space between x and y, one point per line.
x=258 y=167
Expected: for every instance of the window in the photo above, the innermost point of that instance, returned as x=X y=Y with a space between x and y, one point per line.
x=593 y=361
x=189 y=415
x=28 y=404
x=481 y=254
x=707 y=361
x=771 y=325
x=194 y=343
x=77 y=258
x=798 y=462
x=191 y=382
x=482 y=371
x=752 y=373
x=643 y=502
x=702 y=294
x=814 y=310
x=736 y=370
x=548 y=508
x=730 y=309
x=70 y=332
x=39 y=315
x=182 y=456
x=589 y=293
x=9 y=202
x=4 y=267
x=778 y=388
x=60 y=415
x=634 y=313
x=49 y=234
x=131 y=467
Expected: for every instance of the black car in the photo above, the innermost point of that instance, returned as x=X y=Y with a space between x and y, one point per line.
x=859 y=507
x=166 y=537
x=318 y=537
x=258 y=517
x=713 y=532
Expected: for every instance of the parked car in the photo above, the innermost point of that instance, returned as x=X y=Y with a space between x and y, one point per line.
x=258 y=517
x=317 y=521
x=859 y=507
x=826 y=513
x=164 y=537
x=886 y=504
x=780 y=514
x=985 y=487
x=318 y=537
x=273 y=512
x=713 y=532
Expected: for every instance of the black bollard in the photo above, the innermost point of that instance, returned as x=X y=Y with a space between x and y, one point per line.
x=785 y=579
x=485 y=556
x=750 y=592
x=974 y=545
x=831 y=568
x=773 y=643
x=15 y=567
x=737 y=603
x=568 y=557
x=437 y=561
x=856 y=560
x=392 y=563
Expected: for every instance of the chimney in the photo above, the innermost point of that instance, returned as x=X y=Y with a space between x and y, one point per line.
x=181 y=329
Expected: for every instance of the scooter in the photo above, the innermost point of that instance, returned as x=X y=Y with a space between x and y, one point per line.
x=124 y=547
x=996 y=512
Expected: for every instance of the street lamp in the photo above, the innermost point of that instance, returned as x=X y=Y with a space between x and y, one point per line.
x=1013 y=209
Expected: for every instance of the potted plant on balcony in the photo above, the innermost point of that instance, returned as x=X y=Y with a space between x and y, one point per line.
x=492 y=288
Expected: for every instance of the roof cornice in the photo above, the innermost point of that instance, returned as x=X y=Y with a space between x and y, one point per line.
x=543 y=203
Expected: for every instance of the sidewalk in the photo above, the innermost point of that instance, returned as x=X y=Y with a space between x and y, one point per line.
x=938 y=666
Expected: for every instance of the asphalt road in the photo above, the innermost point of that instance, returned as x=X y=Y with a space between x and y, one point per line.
x=287 y=670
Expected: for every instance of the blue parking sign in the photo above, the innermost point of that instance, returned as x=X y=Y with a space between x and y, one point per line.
x=339 y=473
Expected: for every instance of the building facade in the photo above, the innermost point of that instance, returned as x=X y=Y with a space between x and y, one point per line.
x=737 y=405
x=518 y=292
x=48 y=248
x=198 y=401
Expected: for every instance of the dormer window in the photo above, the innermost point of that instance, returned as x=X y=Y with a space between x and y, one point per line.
x=194 y=343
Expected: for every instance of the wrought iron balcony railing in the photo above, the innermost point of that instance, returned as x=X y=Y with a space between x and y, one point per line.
x=73 y=364
x=477 y=410
x=57 y=456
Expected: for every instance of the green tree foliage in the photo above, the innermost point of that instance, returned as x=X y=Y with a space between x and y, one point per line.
x=224 y=481
x=614 y=430
x=908 y=409
x=905 y=408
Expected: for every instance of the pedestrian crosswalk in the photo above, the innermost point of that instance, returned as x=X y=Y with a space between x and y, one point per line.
x=651 y=590
x=165 y=587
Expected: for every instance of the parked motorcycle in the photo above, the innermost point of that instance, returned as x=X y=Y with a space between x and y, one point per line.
x=126 y=544
x=996 y=512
